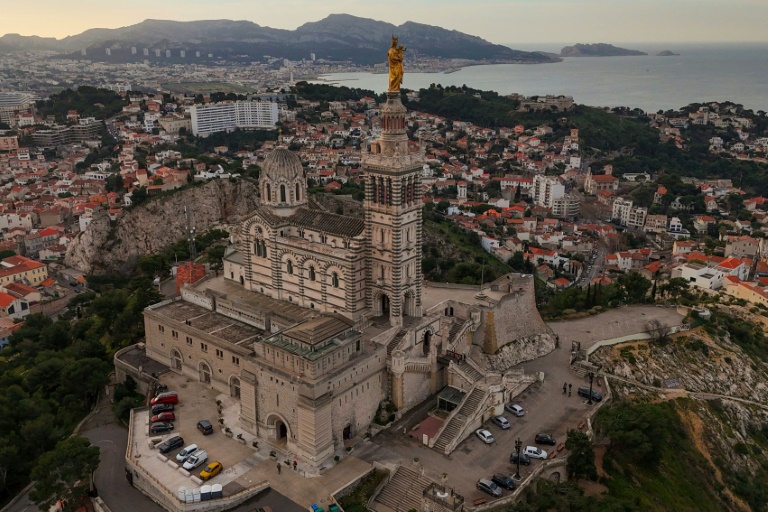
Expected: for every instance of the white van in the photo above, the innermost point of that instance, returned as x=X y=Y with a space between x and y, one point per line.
x=195 y=459
x=535 y=452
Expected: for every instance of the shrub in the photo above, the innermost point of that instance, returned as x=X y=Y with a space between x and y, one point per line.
x=741 y=449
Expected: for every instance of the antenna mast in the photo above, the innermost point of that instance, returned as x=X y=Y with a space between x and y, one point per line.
x=190 y=235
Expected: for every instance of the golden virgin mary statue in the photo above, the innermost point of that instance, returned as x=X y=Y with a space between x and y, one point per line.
x=395 y=56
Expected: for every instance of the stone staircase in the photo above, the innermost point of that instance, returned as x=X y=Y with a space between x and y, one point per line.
x=470 y=370
x=394 y=342
x=457 y=422
x=403 y=492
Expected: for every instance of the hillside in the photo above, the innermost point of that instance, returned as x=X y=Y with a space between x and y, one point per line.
x=339 y=37
x=598 y=129
x=714 y=454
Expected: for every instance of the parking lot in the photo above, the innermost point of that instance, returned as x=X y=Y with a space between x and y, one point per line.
x=244 y=466
x=196 y=402
x=548 y=410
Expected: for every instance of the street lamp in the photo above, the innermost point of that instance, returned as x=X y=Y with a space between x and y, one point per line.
x=518 y=444
x=591 y=376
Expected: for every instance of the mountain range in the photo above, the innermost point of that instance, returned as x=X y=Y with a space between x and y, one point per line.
x=339 y=37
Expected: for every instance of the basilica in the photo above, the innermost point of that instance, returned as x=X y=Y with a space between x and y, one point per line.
x=320 y=318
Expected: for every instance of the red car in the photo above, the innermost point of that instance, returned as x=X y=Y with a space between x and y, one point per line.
x=166 y=398
x=164 y=416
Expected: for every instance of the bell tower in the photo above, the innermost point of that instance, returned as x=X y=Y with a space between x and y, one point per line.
x=393 y=218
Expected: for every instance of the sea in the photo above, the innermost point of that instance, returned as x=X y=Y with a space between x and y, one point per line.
x=703 y=72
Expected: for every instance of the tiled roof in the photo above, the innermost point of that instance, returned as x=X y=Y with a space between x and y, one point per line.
x=327 y=222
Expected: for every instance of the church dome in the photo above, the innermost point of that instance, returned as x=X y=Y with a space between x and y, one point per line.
x=282 y=164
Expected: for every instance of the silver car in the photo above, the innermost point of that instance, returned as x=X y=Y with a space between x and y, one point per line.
x=501 y=422
x=515 y=409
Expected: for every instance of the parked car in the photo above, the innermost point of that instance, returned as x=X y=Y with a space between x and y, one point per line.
x=501 y=422
x=584 y=391
x=504 y=481
x=161 y=426
x=545 y=439
x=535 y=452
x=195 y=459
x=484 y=435
x=211 y=470
x=491 y=488
x=205 y=427
x=161 y=388
x=515 y=409
x=263 y=509
x=157 y=409
x=170 y=444
x=169 y=397
x=186 y=452
x=163 y=416
x=524 y=459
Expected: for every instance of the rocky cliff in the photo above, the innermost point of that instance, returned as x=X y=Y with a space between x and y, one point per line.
x=719 y=389
x=115 y=247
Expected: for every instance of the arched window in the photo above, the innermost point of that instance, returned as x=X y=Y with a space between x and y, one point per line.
x=298 y=192
x=335 y=280
x=290 y=267
x=260 y=248
x=269 y=192
x=312 y=273
x=282 y=194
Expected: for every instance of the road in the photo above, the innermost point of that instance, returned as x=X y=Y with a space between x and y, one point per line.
x=596 y=265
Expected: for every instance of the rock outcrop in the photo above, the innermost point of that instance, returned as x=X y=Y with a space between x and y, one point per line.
x=115 y=247
x=598 y=50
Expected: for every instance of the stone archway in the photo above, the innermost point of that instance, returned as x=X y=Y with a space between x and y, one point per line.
x=426 y=342
x=176 y=360
x=280 y=432
x=204 y=371
x=384 y=304
x=234 y=387
x=555 y=477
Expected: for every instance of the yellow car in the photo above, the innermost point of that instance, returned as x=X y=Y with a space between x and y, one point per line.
x=213 y=469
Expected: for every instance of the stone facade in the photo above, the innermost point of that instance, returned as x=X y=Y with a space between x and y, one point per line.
x=319 y=317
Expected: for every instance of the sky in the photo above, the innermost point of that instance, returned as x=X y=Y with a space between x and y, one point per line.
x=499 y=21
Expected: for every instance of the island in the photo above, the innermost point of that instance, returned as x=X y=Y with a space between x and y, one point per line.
x=667 y=53
x=598 y=50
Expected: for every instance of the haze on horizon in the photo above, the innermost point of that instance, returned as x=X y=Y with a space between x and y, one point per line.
x=498 y=21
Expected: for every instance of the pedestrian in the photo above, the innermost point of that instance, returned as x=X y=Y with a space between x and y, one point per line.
x=279 y=468
x=294 y=464
x=565 y=387
x=569 y=389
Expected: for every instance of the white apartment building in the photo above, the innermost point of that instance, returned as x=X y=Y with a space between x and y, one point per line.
x=566 y=207
x=546 y=190
x=230 y=115
x=627 y=214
